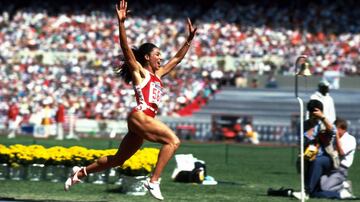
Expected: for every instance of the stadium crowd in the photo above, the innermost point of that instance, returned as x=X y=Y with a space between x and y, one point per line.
x=63 y=51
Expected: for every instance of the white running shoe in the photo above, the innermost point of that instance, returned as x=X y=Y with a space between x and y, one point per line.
x=345 y=194
x=73 y=179
x=154 y=189
x=348 y=185
x=297 y=195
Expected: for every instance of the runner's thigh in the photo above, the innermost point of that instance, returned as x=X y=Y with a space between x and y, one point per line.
x=152 y=130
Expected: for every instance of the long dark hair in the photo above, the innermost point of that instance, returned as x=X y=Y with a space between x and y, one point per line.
x=341 y=123
x=122 y=70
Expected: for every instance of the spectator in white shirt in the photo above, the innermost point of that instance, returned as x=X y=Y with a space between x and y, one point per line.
x=322 y=94
x=336 y=180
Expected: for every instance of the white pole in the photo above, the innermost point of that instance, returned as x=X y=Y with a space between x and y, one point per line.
x=301 y=103
x=302 y=173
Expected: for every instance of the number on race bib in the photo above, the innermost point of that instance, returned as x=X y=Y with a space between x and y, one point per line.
x=155 y=93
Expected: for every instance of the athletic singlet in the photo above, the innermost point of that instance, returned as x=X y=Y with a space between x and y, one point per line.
x=148 y=94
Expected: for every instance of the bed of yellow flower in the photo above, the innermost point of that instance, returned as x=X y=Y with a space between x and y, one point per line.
x=244 y=173
x=141 y=163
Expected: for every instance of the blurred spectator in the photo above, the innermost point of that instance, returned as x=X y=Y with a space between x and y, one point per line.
x=323 y=95
x=254 y=83
x=336 y=181
x=250 y=133
x=271 y=82
x=72 y=120
x=60 y=120
x=245 y=131
x=240 y=80
x=13 y=118
x=47 y=116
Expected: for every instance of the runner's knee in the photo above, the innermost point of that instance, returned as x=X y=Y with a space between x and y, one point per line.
x=175 y=142
x=111 y=160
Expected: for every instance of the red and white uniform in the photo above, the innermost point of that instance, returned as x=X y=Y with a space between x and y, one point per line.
x=148 y=94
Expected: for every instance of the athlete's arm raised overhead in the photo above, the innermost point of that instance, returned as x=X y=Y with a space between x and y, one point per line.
x=129 y=56
x=181 y=53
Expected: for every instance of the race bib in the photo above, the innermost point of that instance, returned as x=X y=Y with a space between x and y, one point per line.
x=155 y=93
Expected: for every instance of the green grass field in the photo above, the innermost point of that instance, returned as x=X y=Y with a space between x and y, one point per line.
x=244 y=173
